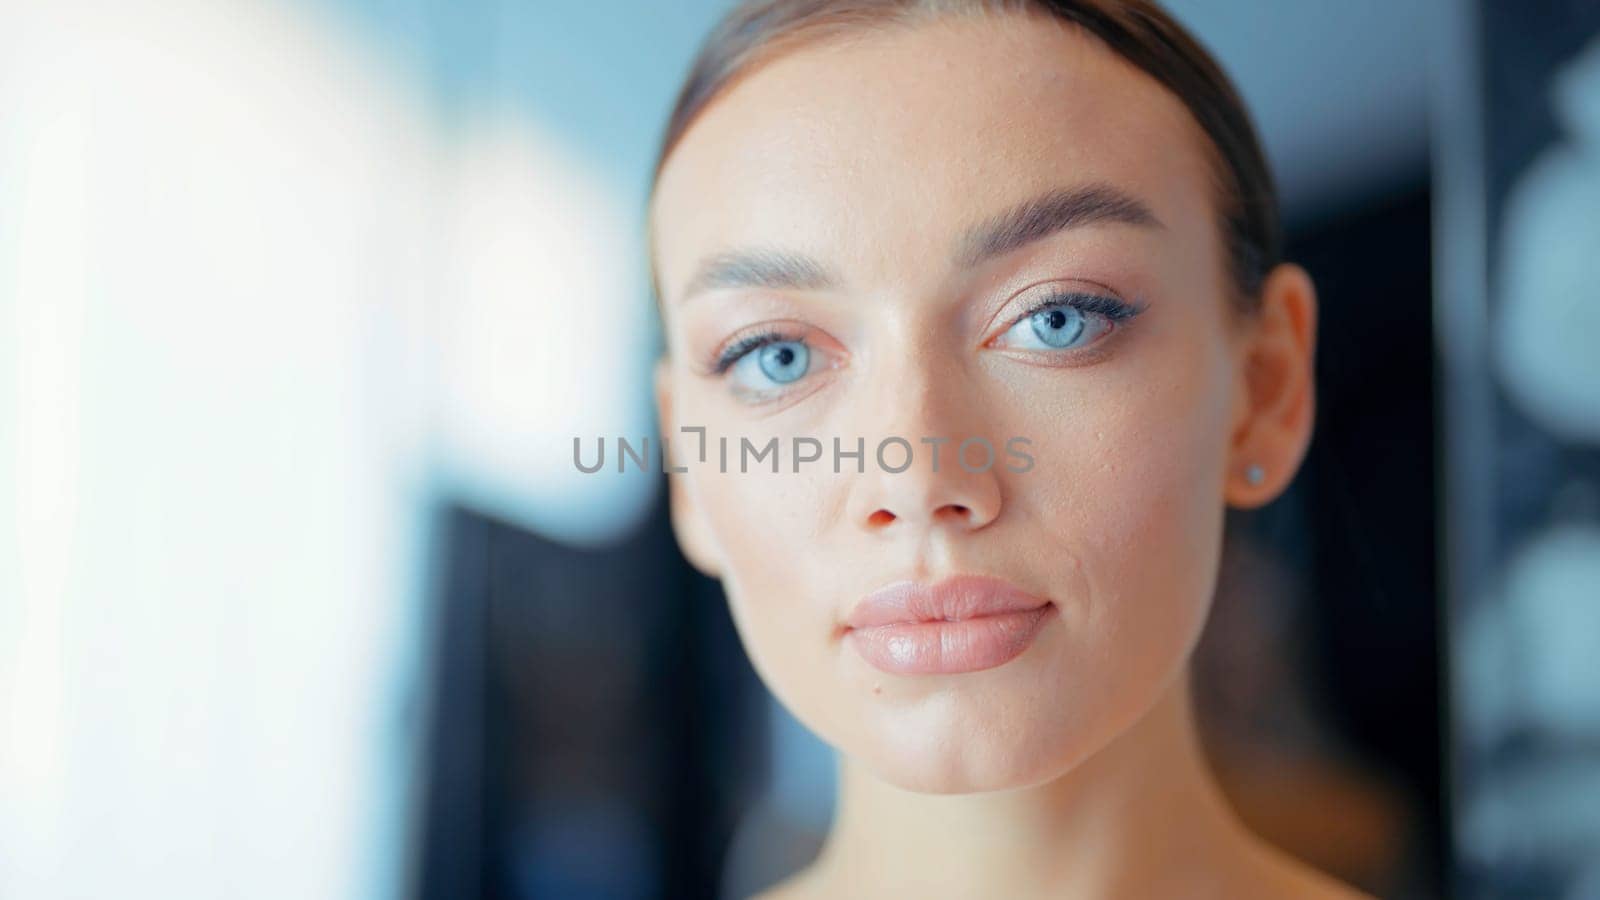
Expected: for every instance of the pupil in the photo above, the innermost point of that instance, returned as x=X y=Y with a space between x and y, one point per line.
x=784 y=362
x=1057 y=318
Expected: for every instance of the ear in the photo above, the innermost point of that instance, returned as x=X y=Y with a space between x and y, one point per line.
x=688 y=523
x=1275 y=409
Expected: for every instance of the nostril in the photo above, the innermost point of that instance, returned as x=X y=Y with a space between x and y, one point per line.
x=957 y=510
x=880 y=518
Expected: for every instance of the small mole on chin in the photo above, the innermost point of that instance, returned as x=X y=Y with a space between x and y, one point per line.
x=877 y=689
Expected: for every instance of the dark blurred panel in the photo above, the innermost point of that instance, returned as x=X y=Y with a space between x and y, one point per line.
x=592 y=732
x=1317 y=679
x=1369 y=486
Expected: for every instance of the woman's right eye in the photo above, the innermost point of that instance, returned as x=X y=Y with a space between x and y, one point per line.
x=770 y=367
x=773 y=361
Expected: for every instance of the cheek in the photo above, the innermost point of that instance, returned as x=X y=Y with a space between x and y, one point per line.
x=1129 y=486
x=766 y=526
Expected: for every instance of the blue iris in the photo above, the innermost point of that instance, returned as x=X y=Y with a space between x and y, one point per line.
x=784 y=361
x=1058 y=326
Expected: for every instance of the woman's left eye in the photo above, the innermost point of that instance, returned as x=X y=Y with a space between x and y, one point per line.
x=1065 y=324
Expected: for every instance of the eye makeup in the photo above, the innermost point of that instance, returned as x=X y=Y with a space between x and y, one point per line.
x=1048 y=330
x=772 y=361
x=735 y=350
x=1097 y=314
x=1095 y=304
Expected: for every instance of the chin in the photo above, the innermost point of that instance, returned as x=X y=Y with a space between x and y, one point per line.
x=963 y=757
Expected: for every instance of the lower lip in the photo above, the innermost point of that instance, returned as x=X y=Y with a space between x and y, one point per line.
x=948 y=648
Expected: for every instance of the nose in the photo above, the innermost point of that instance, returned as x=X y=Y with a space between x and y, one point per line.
x=968 y=514
x=935 y=467
x=955 y=497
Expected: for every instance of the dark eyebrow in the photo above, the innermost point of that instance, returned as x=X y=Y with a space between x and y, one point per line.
x=1020 y=225
x=1049 y=213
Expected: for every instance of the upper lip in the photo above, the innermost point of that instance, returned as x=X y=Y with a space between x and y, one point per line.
x=955 y=598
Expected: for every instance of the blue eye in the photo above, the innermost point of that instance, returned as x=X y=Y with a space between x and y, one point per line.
x=784 y=361
x=781 y=360
x=1058 y=326
x=768 y=365
x=1066 y=322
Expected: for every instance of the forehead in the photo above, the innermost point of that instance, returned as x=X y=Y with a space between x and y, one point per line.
x=876 y=151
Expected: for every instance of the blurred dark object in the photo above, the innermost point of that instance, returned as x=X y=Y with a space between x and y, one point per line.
x=591 y=732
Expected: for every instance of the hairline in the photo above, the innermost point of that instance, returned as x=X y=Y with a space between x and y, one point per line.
x=845 y=26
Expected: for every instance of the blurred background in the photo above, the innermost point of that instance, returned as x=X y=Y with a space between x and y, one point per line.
x=302 y=301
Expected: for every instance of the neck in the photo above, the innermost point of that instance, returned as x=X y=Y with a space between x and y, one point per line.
x=1141 y=813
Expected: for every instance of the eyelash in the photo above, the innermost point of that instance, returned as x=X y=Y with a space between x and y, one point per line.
x=1099 y=304
x=746 y=345
x=1113 y=309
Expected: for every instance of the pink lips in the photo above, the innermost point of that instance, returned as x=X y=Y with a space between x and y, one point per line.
x=962 y=624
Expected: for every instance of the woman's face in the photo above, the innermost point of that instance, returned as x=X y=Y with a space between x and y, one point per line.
x=891 y=173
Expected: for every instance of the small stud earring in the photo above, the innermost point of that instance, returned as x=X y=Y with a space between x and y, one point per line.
x=1255 y=474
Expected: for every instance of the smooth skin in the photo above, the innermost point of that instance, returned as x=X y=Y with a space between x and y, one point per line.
x=1074 y=769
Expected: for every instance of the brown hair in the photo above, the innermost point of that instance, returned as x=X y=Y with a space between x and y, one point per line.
x=1138 y=30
